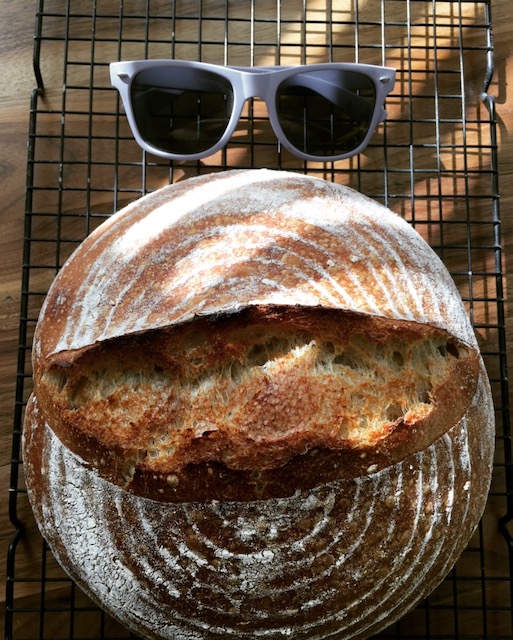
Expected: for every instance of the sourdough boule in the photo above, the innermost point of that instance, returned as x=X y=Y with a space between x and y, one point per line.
x=259 y=410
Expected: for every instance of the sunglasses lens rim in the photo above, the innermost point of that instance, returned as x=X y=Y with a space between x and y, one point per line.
x=241 y=84
x=180 y=111
x=328 y=91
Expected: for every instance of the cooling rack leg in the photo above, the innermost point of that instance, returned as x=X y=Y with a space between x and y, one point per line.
x=37 y=46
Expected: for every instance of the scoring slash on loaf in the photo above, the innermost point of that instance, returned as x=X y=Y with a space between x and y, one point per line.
x=259 y=411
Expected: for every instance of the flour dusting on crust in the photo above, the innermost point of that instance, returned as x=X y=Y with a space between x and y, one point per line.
x=341 y=557
x=298 y=567
x=226 y=241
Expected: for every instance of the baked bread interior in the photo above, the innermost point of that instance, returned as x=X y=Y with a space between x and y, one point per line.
x=251 y=391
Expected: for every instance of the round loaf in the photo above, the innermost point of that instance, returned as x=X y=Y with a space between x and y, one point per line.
x=259 y=410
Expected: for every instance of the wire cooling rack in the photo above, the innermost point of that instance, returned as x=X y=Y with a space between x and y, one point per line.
x=433 y=161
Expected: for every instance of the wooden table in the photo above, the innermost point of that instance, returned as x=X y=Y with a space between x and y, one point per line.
x=16 y=84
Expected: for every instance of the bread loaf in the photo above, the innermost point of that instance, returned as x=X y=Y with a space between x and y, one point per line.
x=259 y=410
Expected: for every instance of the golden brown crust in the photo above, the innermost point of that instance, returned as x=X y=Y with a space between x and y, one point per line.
x=223 y=242
x=256 y=247
x=259 y=410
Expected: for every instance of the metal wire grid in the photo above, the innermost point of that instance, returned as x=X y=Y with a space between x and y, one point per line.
x=433 y=161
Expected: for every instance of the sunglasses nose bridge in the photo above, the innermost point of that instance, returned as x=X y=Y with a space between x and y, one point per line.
x=255 y=84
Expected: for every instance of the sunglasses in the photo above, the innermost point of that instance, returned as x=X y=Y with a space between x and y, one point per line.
x=185 y=110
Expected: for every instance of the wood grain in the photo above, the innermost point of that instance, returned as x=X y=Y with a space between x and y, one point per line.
x=16 y=84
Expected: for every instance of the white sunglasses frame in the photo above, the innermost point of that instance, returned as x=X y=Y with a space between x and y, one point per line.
x=251 y=82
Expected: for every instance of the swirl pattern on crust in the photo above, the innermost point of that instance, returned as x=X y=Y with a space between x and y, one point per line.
x=318 y=565
x=336 y=556
x=227 y=241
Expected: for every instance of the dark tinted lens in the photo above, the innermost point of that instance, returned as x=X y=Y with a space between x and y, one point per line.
x=179 y=110
x=326 y=113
